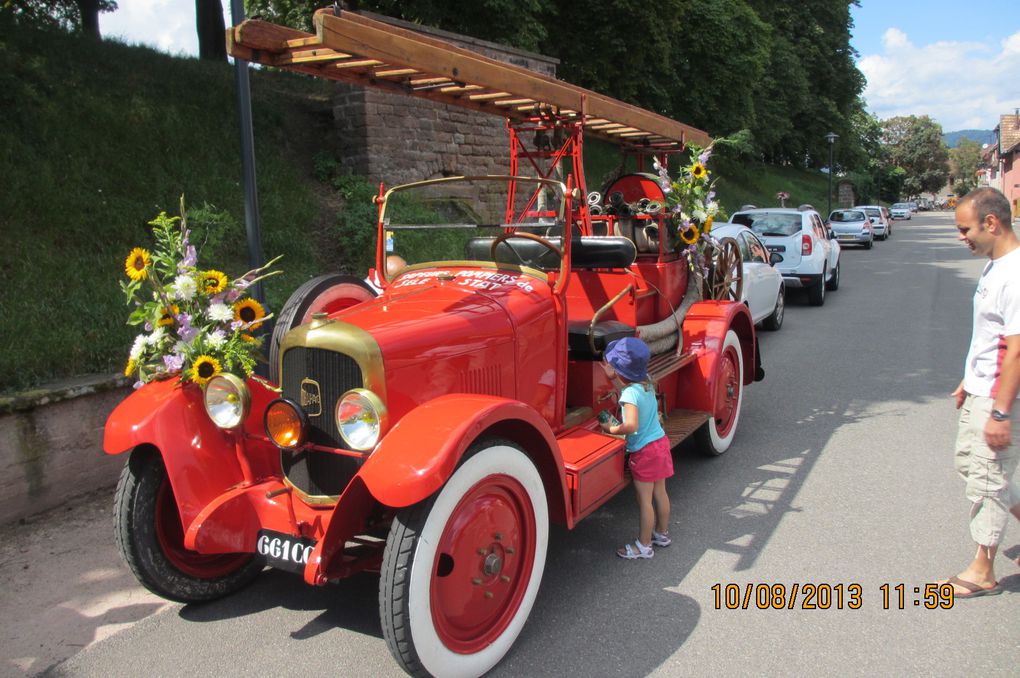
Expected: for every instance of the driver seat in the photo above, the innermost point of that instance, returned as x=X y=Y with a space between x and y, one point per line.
x=587 y=252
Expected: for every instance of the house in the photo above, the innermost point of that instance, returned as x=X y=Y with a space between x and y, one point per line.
x=1003 y=170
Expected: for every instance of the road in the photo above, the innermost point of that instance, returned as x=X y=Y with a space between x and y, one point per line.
x=841 y=474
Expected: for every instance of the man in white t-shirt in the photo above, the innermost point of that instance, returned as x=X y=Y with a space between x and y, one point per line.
x=986 y=450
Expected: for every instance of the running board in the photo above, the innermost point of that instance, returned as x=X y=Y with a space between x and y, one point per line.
x=682 y=423
x=665 y=364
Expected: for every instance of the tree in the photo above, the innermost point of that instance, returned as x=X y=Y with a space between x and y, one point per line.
x=915 y=144
x=210 y=27
x=70 y=15
x=965 y=160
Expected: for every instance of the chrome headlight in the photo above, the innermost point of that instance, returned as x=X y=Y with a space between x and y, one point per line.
x=227 y=400
x=361 y=418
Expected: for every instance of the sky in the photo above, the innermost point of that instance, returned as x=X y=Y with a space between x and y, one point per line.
x=958 y=63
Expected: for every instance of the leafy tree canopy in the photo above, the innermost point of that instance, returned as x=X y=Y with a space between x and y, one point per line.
x=915 y=144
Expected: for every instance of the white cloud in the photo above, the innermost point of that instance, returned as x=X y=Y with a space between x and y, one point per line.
x=962 y=85
x=167 y=25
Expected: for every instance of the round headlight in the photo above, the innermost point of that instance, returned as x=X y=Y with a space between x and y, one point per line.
x=360 y=418
x=227 y=400
x=285 y=424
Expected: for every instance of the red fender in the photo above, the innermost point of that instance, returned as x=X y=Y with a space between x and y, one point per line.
x=201 y=460
x=423 y=449
x=705 y=330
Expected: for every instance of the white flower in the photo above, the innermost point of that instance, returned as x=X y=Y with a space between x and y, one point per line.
x=220 y=313
x=700 y=216
x=138 y=347
x=185 y=287
x=156 y=337
x=216 y=339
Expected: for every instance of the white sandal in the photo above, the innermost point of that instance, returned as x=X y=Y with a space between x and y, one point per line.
x=661 y=538
x=629 y=552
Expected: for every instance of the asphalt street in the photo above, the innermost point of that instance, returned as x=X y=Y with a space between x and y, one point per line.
x=841 y=475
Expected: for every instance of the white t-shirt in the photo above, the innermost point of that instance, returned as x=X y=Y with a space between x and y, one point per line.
x=996 y=316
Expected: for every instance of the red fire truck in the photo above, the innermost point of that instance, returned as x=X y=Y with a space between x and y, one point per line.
x=431 y=433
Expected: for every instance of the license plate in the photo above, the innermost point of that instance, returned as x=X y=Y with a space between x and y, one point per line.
x=846 y=237
x=776 y=248
x=284 y=551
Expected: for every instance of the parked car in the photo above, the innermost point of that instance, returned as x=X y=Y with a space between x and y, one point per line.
x=763 y=290
x=880 y=224
x=810 y=256
x=914 y=207
x=852 y=227
x=900 y=210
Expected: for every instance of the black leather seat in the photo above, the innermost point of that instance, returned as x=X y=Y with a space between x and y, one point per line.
x=603 y=333
x=587 y=252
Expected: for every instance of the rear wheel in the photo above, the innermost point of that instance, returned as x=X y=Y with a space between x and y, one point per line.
x=775 y=320
x=151 y=539
x=461 y=571
x=816 y=293
x=325 y=294
x=868 y=245
x=832 y=284
x=715 y=436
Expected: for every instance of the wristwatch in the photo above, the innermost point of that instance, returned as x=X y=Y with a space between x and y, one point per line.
x=999 y=415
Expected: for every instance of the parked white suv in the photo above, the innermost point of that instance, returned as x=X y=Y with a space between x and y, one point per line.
x=810 y=253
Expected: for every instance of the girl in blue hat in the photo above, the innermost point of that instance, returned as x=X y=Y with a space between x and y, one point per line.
x=651 y=460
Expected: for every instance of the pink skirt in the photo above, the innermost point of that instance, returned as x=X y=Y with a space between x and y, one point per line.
x=652 y=462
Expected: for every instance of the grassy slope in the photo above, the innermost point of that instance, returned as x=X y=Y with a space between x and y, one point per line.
x=97 y=138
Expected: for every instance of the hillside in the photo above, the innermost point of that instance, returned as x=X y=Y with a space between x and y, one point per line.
x=98 y=138
x=981 y=136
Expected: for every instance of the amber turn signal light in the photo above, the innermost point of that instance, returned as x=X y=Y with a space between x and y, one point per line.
x=285 y=424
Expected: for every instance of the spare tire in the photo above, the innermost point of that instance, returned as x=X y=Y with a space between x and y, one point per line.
x=327 y=293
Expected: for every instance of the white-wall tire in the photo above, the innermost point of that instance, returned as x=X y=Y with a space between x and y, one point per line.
x=716 y=435
x=461 y=571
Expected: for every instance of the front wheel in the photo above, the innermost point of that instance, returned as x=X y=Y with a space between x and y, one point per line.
x=716 y=435
x=151 y=539
x=461 y=571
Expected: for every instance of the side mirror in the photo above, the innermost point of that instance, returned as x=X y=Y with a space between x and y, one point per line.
x=775 y=258
x=832 y=234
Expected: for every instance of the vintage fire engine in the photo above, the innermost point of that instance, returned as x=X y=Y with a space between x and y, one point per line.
x=432 y=432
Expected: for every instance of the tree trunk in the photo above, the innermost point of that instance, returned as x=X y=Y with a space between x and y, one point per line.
x=89 y=11
x=212 y=44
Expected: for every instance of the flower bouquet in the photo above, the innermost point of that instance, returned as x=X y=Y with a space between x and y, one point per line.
x=782 y=197
x=197 y=322
x=692 y=207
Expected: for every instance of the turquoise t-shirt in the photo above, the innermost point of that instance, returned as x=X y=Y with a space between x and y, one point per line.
x=649 y=429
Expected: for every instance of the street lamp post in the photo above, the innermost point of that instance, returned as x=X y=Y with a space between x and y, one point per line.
x=831 y=138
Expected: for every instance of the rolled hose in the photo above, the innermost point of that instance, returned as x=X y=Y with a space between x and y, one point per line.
x=667 y=333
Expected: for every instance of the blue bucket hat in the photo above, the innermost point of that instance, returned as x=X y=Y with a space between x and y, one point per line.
x=629 y=357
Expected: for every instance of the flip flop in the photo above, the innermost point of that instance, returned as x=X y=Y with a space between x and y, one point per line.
x=973 y=590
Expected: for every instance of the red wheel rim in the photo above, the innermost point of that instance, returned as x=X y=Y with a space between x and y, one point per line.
x=171 y=539
x=483 y=564
x=727 y=392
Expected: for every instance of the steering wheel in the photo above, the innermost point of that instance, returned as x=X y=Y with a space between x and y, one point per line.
x=528 y=236
x=725 y=272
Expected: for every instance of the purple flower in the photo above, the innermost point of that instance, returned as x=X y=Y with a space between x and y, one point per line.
x=217 y=299
x=173 y=363
x=711 y=195
x=242 y=284
x=703 y=158
x=184 y=328
x=148 y=326
x=236 y=325
x=190 y=257
x=233 y=295
x=137 y=385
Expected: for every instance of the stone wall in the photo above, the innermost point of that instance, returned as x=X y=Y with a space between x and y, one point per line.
x=396 y=139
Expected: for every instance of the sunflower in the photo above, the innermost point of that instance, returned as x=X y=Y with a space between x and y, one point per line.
x=130 y=368
x=213 y=282
x=690 y=234
x=708 y=224
x=249 y=311
x=248 y=339
x=204 y=368
x=137 y=264
x=698 y=171
x=169 y=315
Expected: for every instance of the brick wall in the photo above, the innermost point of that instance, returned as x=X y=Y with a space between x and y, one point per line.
x=397 y=139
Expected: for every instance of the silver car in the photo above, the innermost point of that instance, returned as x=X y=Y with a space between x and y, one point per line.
x=900 y=210
x=852 y=227
x=880 y=225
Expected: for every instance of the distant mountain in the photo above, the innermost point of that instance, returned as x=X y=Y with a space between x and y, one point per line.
x=982 y=136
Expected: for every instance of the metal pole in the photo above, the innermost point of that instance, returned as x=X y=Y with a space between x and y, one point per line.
x=831 y=138
x=251 y=199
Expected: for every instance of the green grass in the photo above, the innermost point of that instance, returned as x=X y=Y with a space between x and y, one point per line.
x=98 y=138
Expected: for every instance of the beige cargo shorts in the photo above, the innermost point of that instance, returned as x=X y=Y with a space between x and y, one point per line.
x=988 y=473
